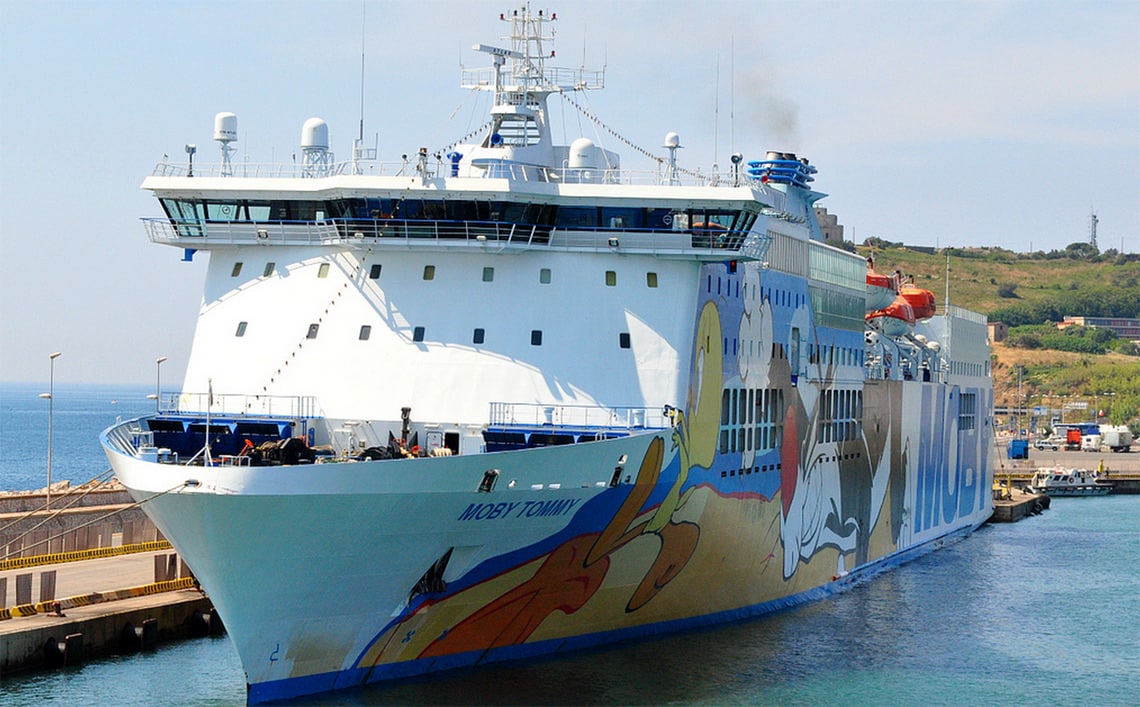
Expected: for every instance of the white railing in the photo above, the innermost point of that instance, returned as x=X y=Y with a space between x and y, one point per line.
x=494 y=169
x=577 y=416
x=295 y=406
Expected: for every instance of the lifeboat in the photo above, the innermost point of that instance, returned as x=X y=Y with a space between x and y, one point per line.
x=896 y=319
x=881 y=290
x=921 y=301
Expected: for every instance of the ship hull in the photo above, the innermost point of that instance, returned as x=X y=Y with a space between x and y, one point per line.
x=334 y=575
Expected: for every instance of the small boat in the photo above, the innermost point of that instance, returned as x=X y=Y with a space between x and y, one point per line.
x=1069 y=482
x=896 y=319
x=881 y=290
x=921 y=300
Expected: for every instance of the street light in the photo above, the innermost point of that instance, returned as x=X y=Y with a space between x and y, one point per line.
x=158 y=382
x=50 y=396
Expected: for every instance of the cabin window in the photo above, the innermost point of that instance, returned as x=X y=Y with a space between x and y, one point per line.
x=544 y=276
x=488 y=274
x=611 y=278
x=429 y=272
x=313 y=328
x=240 y=330
x=374 y=272
x=418 y=334
x=365 y=332
x=477 y=336
x=651 y=279
x=536 y=337
x=623 y=340
x=269 y=268
x=236 y=271
x=323 y=271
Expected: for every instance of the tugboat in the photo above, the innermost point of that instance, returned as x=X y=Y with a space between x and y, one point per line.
x=1069 y=482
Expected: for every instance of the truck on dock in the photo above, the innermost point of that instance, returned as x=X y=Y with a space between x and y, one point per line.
x=1117 y=438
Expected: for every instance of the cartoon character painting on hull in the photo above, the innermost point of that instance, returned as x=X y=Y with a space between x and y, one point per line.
x=773 y=444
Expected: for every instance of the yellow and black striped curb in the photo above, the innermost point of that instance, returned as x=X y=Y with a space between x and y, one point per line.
x=76 y=555
x=48 y=607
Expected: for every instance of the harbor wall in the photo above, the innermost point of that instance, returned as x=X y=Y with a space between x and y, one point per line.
x=75 y=521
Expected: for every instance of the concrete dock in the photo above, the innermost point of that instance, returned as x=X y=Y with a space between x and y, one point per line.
x=100 y=607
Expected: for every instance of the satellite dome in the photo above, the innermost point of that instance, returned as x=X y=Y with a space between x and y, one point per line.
x=672 y=139
x=315 y=134
x=225 y=127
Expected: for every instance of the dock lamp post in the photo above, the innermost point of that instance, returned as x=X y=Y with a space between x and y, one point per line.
x=158 y=382
x=50 y=395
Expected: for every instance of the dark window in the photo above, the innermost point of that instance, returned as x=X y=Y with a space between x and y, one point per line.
x=374 y=272
x=536 y=337
x=611 y=278
x=313 y=331
x=323 y=271
x=236 y=271
x=544 y=276
x=240 y=329
x=651 y=279
x=623 y=339
x=477 y=337
x=269 y=267
x=429 y=272
x=365 y=332
x=418 y=334
x=488 y=274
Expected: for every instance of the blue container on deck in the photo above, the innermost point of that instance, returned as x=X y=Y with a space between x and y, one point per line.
x=1018 y=449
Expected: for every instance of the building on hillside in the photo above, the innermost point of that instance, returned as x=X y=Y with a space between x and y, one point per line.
x=998 y=331
x=829 y=224
x=1125 y=328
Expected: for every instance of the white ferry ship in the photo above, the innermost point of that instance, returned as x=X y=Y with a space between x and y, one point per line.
x=510 y=399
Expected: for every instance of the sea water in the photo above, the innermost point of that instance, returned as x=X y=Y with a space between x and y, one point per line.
x=1045 y=611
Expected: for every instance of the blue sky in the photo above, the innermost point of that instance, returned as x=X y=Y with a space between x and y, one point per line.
x=934 y=123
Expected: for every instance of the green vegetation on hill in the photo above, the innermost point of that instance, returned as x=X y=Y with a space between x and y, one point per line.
x=1028 y=292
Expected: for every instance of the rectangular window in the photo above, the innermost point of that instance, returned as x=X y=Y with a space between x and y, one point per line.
x=488 y=274
x=418 y=334
x=365 y=332
x=651 y=279
x=611 y=278
x=967 y=411
x=269 y=268
x=323 y=271
x=544 y=276
x=240 y=329
x=313 y=328
x=236 y=271
x=429 y=272
x=623 y=340
x=536 y=337
x=374 y=272
x=477 y=337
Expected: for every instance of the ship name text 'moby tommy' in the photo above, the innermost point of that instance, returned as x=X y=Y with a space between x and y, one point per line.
x=508 y=397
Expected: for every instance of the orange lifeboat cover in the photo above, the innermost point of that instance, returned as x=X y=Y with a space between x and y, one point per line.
x=920 y=300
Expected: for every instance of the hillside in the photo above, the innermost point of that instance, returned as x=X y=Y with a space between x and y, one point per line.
x=998 y=281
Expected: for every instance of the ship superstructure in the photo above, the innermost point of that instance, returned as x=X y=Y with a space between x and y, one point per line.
x=510 y=398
